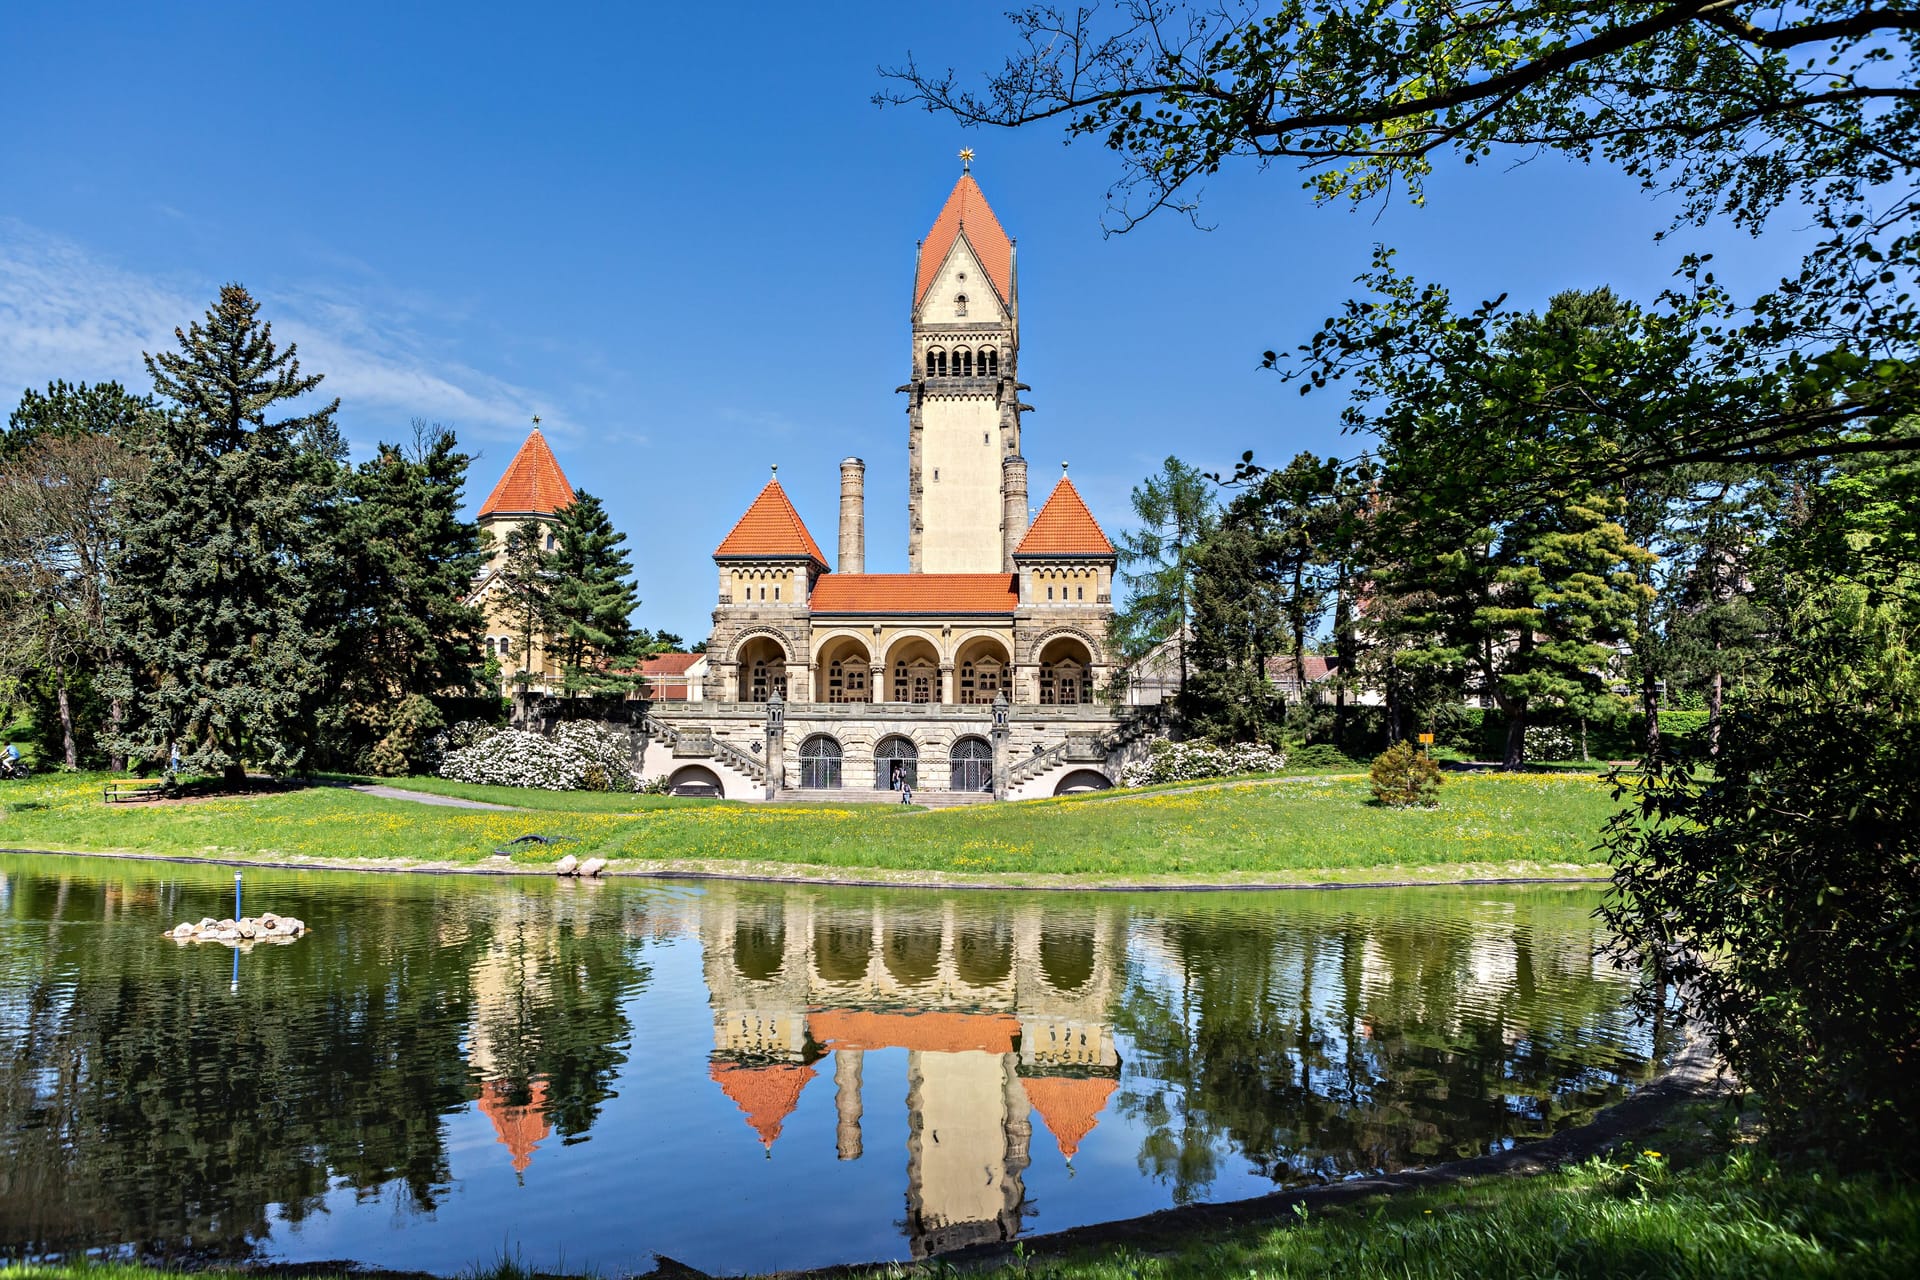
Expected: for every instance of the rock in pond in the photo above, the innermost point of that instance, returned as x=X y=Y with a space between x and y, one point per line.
x=242 y=933
x=593 y=866
x=567 y=866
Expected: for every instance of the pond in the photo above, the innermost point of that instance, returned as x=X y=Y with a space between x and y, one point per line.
x=743 y=1077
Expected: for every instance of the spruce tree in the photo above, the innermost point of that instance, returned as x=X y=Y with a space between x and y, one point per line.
x=219 y=610
x=410 y=561
x=593 y=600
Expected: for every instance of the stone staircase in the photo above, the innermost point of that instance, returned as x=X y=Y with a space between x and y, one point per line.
x=868 y=795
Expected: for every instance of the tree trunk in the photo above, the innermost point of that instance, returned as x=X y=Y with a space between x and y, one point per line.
x=116 y=712
x=1584 y=757
x=71 y=751
x=1650 y=712
x=1715 y=696
x=1516 y=753
x=235 y=776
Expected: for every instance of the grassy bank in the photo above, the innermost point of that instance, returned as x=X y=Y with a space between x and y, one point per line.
x=1286 y=829
x=1677 y=1206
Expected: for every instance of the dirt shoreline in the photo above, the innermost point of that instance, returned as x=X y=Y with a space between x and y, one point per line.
x=906 y=880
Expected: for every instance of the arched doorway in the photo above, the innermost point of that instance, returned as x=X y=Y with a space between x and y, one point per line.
x=970 y=765
x=1083 y=780
x=820 y=763
x=981 y=672
x=1066 y=672
x=844 y=669
x=913 y=671
x=763 y=669
x=896 y=763
x=694 y=780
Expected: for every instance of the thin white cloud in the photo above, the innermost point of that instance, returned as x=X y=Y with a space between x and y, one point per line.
x=66 y=313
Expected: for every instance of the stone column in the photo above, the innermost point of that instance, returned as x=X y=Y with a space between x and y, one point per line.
x=853 y=516
x=946 y=684
x=846 y=1079
x=1013 y=507
x=1002 y=761
x=877 y=690
x=776 y=744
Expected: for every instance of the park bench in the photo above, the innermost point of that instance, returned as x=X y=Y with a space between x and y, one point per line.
x=129 y=790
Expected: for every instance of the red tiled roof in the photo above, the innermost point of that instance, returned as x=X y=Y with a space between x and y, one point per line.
x=767 y=1094
x=1071 y=1107
x=520 y=1129
x=533 y=483
x=771 y=527
x=668 y=664
x=1064 y=527
x=967 y=213
x=1318 y=668
x=930 y=1032
x=915 y=593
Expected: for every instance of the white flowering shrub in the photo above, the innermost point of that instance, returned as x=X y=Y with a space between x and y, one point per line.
x=580 y=756
x=1548 y=742
x=1185 y=761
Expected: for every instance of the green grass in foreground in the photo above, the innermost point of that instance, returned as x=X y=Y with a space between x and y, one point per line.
x=1654 y=1211
x=1316 y=828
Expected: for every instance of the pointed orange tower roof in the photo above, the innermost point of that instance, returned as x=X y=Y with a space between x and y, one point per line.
x=766 y=1095
x=1064 y=527
x=771 y=527
x=533 y=484
x=520 y=1129
x=1071 y=1108
x=968 y=214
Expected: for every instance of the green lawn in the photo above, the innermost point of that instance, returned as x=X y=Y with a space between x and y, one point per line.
x=1303 y=828
x=1677 y=1206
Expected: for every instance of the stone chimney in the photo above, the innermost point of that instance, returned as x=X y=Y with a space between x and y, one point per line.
x=1013 y=506
x=853 y=517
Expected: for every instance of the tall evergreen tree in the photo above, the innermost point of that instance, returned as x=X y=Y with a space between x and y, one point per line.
x=1238 y=623
x=410 y=559
x=593 y=599
x=526 y=584
x=219 y=609
x=1177 y=511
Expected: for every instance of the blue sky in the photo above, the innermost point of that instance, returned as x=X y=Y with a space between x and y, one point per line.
x=685 y=238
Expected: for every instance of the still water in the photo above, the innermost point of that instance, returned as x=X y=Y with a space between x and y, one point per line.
x=746 y=1077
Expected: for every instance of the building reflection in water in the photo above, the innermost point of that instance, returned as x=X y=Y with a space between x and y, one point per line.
x=1003 y=1016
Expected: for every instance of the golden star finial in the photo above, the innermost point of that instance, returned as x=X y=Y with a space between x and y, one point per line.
x=966 y=159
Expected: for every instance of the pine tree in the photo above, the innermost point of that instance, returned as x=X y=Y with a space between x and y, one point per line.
x=219 y=609
x=410 y=558
x=1237 y=625
x=593 y=599
x=1176 y=510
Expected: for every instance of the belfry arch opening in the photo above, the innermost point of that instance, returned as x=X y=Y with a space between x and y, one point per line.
x=913 y=671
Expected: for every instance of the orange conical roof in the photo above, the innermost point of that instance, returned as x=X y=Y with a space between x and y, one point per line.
x=1070 y=1107
x=1064 y=527
x=967 y=213
x=771 y=527
x=533 y=483
x=520 y=1129
x=766 y=1094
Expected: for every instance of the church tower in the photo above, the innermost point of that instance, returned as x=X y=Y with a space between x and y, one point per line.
x=963 y=412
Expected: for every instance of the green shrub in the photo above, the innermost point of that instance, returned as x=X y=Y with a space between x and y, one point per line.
x=403 y=750
x=1403 y=775
x=1319 y=755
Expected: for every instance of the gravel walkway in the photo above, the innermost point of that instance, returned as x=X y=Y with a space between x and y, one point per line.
x=428 y=797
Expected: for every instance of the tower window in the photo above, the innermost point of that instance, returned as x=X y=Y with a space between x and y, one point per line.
x=989 y=362
x=1079 y=593
x=937 y=363
x=1049 y=593
x=963 y=362
x=776 y=593
x=960 y=304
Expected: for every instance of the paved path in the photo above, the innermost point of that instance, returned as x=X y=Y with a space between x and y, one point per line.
x=428 y=797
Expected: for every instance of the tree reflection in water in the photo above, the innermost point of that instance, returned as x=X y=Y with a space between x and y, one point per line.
x=1303 y=1037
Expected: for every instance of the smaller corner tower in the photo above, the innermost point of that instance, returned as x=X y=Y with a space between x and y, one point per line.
x=768 y=564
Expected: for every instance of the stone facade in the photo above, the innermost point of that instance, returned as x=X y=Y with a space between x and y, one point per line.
x=980 y=673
